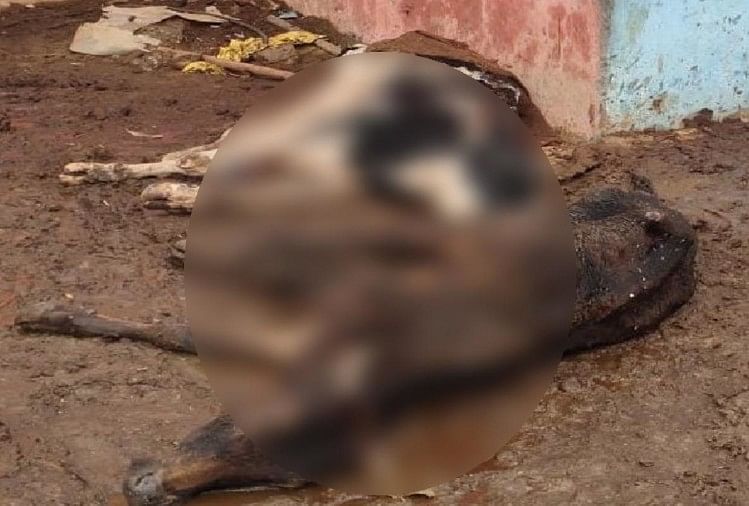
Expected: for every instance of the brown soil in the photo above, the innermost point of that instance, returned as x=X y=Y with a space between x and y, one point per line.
x=658 y=420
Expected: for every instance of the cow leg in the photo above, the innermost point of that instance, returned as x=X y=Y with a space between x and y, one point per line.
x=191 y=162
x=215 y=456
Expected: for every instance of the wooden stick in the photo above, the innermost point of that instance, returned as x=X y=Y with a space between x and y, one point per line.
x=50 y=318
x=251 y=68
x=323 y=44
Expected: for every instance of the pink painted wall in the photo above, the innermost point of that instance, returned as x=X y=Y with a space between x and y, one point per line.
x=553 y=46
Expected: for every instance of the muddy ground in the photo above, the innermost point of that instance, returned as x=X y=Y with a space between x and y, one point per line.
x=662 y=419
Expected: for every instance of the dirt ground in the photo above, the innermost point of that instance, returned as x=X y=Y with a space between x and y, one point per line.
x=662 y=419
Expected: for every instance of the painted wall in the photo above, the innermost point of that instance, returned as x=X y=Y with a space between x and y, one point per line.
x=553 y=46
x=667 y=59
x=591 y=66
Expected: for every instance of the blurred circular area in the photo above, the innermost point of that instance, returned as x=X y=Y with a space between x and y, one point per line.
x=380 y=273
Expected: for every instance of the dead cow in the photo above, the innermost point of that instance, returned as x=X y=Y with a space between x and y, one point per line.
x=635 y=261
x=635 y=266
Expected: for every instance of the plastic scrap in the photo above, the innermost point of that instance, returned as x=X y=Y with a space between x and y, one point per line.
x=114 y=33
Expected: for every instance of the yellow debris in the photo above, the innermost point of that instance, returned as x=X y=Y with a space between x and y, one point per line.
x=202 y=67
x=296 y=37
x=241 y=49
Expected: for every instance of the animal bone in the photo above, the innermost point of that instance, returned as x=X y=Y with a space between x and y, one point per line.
x=177 y=252
x=191 y=162
x=174 y=197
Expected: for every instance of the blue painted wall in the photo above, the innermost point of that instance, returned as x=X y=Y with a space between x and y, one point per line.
x=667 y=59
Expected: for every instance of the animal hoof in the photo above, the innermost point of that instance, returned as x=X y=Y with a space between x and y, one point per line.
x=144 y=485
